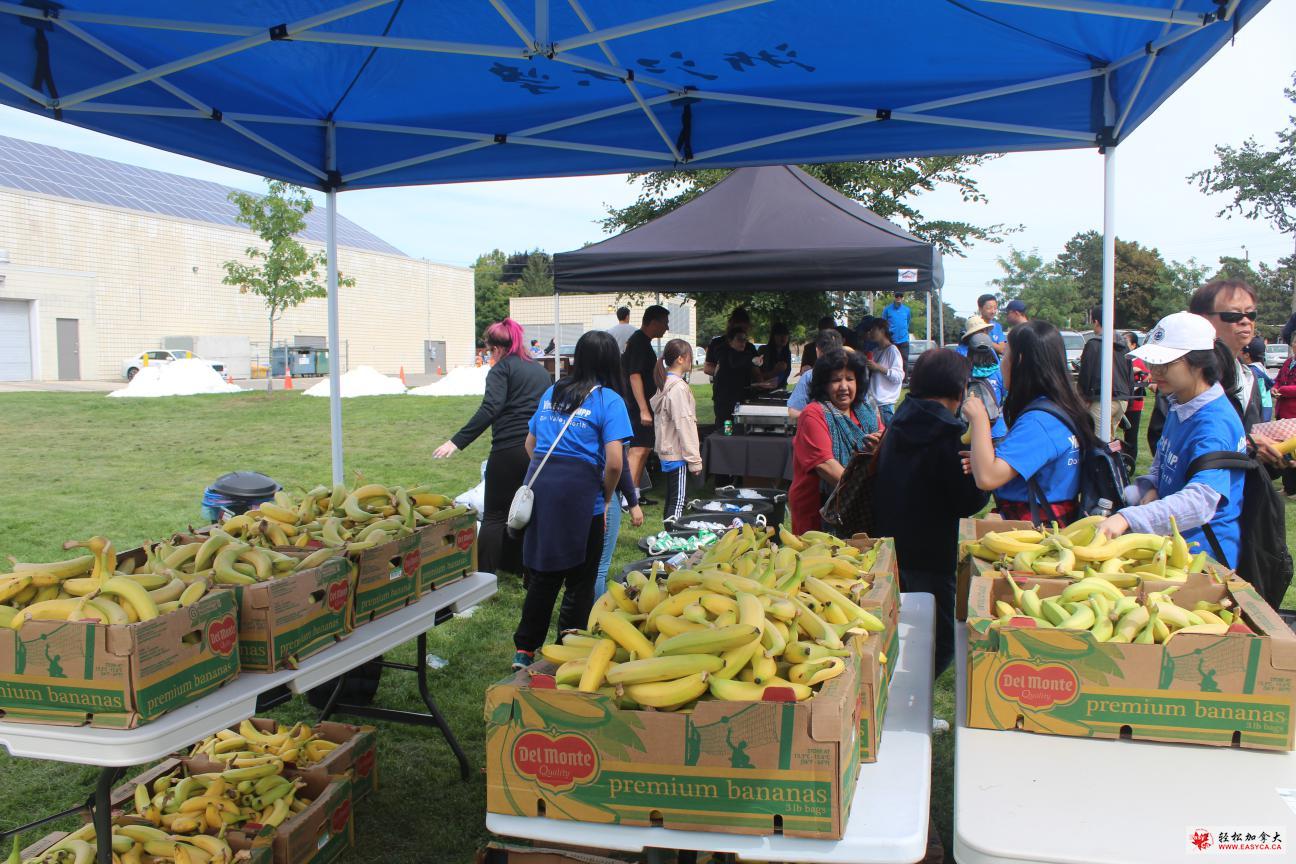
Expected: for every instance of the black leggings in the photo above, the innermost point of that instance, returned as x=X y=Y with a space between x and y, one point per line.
x=505 y=472
x=577 y=585
x=940 y=585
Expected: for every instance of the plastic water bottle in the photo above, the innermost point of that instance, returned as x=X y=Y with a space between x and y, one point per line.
x=435 y=662
x=1104 y=508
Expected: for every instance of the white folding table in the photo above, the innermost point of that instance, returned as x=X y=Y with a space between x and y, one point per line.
x=889 y=815
x=1022 y=797
x=114 y=749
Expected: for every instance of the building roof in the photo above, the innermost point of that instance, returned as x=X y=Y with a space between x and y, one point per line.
x=32 y=167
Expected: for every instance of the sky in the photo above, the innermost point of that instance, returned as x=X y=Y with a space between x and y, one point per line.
x=1238 y=94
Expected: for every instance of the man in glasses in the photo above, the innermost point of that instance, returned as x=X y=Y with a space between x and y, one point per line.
x=1230 y=306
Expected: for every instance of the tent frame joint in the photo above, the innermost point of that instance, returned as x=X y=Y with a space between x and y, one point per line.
x=501 y=138
x=217 y=115
x=279 y=33
x=883 y=114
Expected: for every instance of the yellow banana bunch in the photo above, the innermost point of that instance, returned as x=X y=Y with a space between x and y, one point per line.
x=362 y=517
x=750 y=616
x=1110 y=614
x=1078 y=550
x=198 y=809
x=133 y=843
x=99 y=587
x=298 y=746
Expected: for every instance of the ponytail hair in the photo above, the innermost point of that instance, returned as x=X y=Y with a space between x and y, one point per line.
x=509 y=335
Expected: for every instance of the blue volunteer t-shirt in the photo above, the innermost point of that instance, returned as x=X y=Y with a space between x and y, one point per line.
x=897 y=318
x=1215 y=426
x=1040 y=446
x=997 y=335
x=600 y=419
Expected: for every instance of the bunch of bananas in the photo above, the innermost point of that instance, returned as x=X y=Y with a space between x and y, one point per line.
x=210 y=804
x=751 y=616
x=360 y=518
x=226 y=560
x=133 y=844
x=1109 y=614
x=1079 y=550
x=96 y=587
x=299 y=745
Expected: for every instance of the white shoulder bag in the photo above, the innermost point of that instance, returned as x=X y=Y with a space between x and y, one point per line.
x=519 y=515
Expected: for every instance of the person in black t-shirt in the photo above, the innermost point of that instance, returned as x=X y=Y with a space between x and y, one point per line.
x=776 y=356
x=735 y=372
x=638 y=362
x=737 y=318
x=810 y=354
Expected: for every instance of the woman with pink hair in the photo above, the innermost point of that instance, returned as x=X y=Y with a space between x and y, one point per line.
x=514 y=386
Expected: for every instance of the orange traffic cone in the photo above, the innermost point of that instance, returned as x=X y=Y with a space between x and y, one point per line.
x=402 y=377
x=229 y=379
x=440 y=370
x=288 y=379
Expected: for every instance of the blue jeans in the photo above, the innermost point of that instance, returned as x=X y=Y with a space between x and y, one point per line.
x=610 y=535
x=887 y=412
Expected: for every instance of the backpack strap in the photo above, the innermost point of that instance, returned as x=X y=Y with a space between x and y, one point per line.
x=1034 y=494
x=1228 y=460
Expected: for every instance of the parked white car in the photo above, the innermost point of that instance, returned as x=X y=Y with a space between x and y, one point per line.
x=1074 y=343
x=160 y=356
x=1276 y=356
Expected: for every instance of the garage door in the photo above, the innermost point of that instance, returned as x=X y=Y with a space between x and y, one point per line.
x=15 y=340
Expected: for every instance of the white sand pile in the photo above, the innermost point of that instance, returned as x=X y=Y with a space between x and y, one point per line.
x=177 y=378
x=361 y=381
x=464 y=381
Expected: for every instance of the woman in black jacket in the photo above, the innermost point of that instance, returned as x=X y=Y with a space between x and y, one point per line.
x=920 y=478
x=514 y=386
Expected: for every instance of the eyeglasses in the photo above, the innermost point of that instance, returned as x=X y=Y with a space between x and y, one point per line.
x=1235 y=317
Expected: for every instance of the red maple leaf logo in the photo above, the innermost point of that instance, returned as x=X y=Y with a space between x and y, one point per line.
x=1201 y=839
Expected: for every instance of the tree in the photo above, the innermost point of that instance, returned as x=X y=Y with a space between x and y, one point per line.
x=1182 y=279
x=1262 y=182
x=889 y=188
x=288 y=275
x=528 y=274
x=492 y=301
x=1139 y=270
x=1049 y=294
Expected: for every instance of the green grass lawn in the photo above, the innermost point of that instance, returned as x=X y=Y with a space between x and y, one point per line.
x=81 y=464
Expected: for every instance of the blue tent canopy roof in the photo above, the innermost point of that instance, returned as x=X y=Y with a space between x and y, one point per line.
x=439 y=91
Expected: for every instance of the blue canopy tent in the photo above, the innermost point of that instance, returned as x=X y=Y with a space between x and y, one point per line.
x=339 y=96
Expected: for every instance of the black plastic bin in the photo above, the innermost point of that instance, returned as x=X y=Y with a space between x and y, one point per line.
x=764 y=508
x=643 y=564
x=775 y=497
x=724 y=521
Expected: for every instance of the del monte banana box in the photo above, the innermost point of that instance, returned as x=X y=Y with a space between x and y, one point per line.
x=447 y=550
x=734 y=767
x=356 y=754
x=325 y=830
x=969 y=566
x=883 y=599
x=289 y=618
x=117 y=675
x=1235 y=689
x=386 y=578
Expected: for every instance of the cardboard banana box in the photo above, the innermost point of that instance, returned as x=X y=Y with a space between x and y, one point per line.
x=969 y=566
x=321 y=833
x=733 y=767
x=289 y=618
x=883 y=597
x=1232 y=690
x=117 y=675
x=386 y=578
x=447 y=551
x=356 y=754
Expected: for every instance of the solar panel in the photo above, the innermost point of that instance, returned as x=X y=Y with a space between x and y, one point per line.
x=29 y=166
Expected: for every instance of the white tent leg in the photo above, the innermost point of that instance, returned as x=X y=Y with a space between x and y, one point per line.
x=557 y=340
x=334 y=343
x=1108 y=289
x=929 y=316
x=940 y=301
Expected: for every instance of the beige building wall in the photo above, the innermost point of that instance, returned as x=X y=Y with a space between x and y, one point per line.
x=598 y=312
x=131 y=279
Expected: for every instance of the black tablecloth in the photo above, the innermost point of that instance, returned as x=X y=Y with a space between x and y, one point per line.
x=748 y=455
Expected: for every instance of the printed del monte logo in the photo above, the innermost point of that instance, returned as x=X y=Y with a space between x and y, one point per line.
x=1037 y=686
x=337 y=595
x=557 y=762
x=222 y=635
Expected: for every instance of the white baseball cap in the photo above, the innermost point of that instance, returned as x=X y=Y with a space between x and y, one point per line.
x=1174 y=336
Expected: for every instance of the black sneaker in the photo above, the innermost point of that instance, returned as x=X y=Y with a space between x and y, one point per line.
x=522 y=659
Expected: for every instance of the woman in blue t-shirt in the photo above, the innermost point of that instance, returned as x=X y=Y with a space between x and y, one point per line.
x=1187 y=363
x=564 y=539
x=1039 y=458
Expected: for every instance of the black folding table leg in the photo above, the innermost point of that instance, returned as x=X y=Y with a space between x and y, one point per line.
x=102 y=814
x=421 y=661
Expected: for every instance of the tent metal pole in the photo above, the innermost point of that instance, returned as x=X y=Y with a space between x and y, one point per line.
x=557 y=339
x=928 y=316
x=334 y=342
x=646 y=24
x=216 y=53
x=1108 y=289
x=940 y=300
x=937 y=120
x=1111 y=10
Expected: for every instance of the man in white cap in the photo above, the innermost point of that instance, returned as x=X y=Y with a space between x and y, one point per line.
x=1186 y=365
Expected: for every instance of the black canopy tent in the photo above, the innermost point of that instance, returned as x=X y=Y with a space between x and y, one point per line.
x=771 y=228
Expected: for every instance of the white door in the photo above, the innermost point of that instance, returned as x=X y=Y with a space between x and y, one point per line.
x=15 y=340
